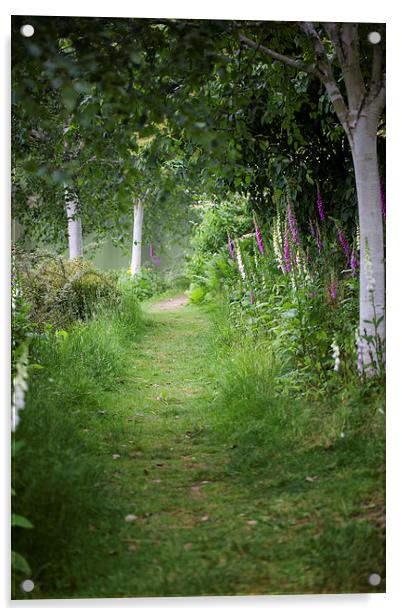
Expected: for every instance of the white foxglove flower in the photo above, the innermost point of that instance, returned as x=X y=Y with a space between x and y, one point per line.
x=20 y=386
x=277 y=240
x=240 y=261
x=359 y=349
x=336 y=355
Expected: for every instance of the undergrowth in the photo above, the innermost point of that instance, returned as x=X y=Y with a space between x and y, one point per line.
x=58 y=475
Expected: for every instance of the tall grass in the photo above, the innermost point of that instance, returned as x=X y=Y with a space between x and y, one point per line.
x=258 y=410
x=318 y=459
x=58 y=472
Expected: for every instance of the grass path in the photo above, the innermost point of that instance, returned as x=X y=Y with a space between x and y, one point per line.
x=195 y=525
x=194 y=530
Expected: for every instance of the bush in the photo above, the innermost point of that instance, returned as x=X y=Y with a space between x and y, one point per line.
x=146 y=283
x=61 y=292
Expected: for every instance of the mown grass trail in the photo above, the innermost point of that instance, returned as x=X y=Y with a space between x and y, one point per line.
x=184 y=521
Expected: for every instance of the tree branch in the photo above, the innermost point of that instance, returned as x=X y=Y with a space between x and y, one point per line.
x=306 y=68
x=324 y=65
x=324 y=72
x=332 y=30
x=326 y=76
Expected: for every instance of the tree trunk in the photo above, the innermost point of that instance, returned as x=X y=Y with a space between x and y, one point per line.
x=363 y=143
x=137 y=238
x=75 y=243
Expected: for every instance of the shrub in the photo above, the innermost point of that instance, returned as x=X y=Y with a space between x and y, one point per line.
x=61 y=292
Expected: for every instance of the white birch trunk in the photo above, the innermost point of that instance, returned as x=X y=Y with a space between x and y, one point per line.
x=137 y=238
x=372 y=270
x=75 y=243
x=359 y=118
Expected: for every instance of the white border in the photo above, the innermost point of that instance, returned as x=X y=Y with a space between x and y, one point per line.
x=385 y=10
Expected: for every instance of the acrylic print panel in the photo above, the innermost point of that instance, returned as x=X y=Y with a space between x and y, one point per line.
x=202 y=412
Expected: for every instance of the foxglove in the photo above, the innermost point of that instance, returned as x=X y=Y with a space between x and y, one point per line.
x=258 y=236
x=231 y=248
x=343 y=243
x=336 y=355
x=320 y=206
x=293 y=224
x=240 y=262
x=286 y=252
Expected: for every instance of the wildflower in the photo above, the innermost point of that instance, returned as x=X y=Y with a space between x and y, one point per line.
x=20 y=386
x=277 y=240
x=320 y=206
x=343 y=243
x=319 y=241
x=240 y=261
x=286 y=252
x=258 y=236
x=382 y=195
x=333 y=289
x=359 y=349
x=353 y=263
x=299 y=262
x=335 y=355
x=252 y=300
x=311 y=227
x=293 y=224
x=231 y=247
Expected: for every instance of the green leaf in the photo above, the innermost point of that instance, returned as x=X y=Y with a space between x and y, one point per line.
x=309 y=178
x=18 y=563
x=61 y=333
x=19 y=520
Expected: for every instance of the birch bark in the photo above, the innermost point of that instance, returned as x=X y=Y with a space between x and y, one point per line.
x=137 y=238
x=75 y=243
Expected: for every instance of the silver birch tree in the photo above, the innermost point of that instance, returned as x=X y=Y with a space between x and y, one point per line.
x=137 y=238
x=359 y=113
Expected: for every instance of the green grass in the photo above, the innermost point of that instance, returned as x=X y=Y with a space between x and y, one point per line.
x=236 y=490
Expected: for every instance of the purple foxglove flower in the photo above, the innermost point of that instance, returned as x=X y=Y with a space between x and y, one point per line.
x=292 y=224
x=332 y=290
x=319 y=241
x=320 y=206
x=258 y=236
x=156 y=260
x=382 y=193
x=252 y=300
x=344 y=244
x=231 y=248
x=286 y=253
x=353 y=263
x=311 y=227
